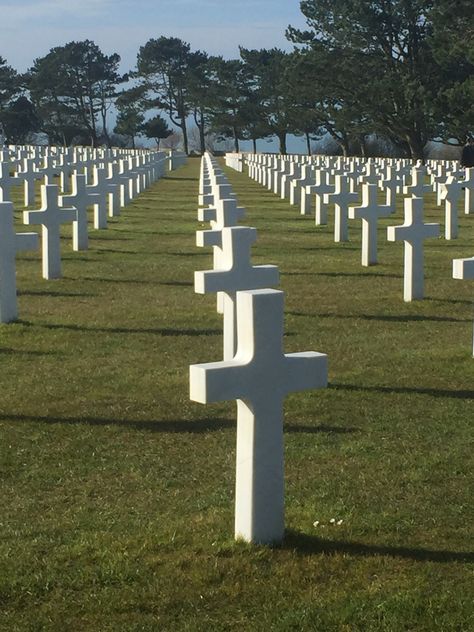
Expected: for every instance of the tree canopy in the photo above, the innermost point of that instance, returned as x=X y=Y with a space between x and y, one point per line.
x=399 y=69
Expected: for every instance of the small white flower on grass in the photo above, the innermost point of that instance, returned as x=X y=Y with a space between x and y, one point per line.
x=333 y=520
x=339 y=522
x=316 y=523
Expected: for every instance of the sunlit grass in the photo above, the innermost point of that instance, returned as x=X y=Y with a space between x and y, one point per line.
x=117 y=491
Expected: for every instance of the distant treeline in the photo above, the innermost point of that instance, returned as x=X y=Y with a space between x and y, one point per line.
x=400 y=69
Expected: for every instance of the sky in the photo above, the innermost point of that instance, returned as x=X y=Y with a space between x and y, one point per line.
x=30 y=28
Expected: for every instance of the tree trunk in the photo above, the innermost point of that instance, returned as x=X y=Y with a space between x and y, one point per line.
x=344 y=145
x=236 y=141
x=416 y=146
x=202 y=138
x=254 y=143
x=308 y=143
x=282 y=139
x=104 y=126
x=184 y=130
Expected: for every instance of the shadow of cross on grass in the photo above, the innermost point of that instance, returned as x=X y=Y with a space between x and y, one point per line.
x=196 y=426
x=312 y=545
x=161 y=331
x=434 y=392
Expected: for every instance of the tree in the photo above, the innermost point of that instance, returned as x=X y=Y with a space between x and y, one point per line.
x=75 y=85
x=129 y=123
x=157 y=129
x=166 y=66
x=452 y=43
x=267 y=74
x=173 y=141
x=130 y=105
x=307 y=96
x=384 y=62
x=18 y=117
x=10 y=83
x=229 y=98
x=19 y=121
x=202 y=87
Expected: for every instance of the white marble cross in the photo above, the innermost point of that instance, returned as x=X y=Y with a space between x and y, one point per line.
x=235 y=272
x=341 y=198
x=224 y=213
x=50 y=216
x=259 y=377
x=11 y=243
x=464 y=269
x=413 y=232
x=369 y=213
x=392 y=184
x=99 y=187
x=451 y=193
x=418 y=187
x=114 y=188
x=469 y=186
x=320 y=190
x=80 y=199
x=29 y=175
x=6 y=182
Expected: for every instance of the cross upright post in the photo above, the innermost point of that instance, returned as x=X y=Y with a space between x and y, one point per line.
x=225 y=213
x=451 y=192
x=99 y=188
x=469 y=191
x=259 y=377
x=369 y=213
x=80 y=199
x=418 y=187
x=50 y=216
x=235 y=272
x=11 y=243
x=6 y=182
x=341 y=198
x=464 y=269
x=413 y=233
x=321 y=190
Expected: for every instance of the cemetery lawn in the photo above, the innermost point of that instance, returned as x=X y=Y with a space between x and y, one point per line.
x=117 y=491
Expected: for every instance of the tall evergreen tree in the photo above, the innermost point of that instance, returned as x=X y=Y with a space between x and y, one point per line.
x=382 y=53
x=166 y=66
x=74 y=87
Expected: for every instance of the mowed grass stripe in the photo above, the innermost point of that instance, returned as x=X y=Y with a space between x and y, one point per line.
x=117 y=491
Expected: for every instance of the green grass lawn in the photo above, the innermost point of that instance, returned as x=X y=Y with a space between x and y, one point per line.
x=117 y=491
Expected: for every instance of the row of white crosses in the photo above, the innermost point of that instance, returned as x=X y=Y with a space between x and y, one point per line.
x=113 y=185
x=335 y=182
x=254 y=370
x=302 y=180
x=138 y=169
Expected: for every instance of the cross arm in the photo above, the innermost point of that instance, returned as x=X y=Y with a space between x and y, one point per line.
x=217 y=381
x=207 y=214
x=26 y=241
x=306 y=370
x=206 y=281
x=463 y=268
x=209 y=238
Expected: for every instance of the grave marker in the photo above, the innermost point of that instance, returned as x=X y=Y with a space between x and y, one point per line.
x=259 y=377
x=413 y=233
x=50 y=217
x=11 y=243
x=369 y=213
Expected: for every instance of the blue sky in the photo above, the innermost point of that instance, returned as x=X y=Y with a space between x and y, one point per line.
x=29 y=28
